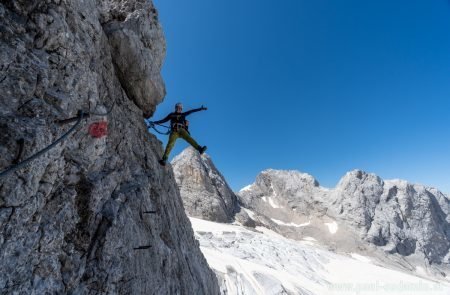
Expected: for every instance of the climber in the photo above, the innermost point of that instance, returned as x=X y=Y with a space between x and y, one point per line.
x=179 y=128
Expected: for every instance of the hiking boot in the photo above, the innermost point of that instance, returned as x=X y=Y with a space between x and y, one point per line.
x=202 y=149
x=162 y=162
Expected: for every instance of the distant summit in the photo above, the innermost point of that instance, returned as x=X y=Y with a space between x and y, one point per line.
x=408 y=220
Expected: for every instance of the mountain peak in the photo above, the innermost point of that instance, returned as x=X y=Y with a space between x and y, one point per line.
x=398 y=217
x=189 y=154
x=204 y=190
x=293 y=177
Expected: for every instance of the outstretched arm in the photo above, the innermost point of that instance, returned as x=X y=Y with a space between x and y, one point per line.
x=195 y=110
x=167 y=118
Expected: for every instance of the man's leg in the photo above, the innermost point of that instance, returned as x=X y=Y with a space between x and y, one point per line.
x=172 y=138
x=183 y=134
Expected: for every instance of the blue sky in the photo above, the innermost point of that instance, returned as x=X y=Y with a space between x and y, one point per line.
x=322 y=86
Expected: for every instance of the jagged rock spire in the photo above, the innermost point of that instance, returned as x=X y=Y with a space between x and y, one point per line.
x=204 y=191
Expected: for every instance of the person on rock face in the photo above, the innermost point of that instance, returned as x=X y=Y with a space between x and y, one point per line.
x=179 y=128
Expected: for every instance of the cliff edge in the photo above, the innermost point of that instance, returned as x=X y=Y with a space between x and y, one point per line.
x=76 y=219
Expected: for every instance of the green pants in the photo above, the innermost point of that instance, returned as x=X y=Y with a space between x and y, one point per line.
x=174 y=135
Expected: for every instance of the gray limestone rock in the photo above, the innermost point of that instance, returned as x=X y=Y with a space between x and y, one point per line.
x=204 y=191
x=401 y=217
x=407 y=220
x=71 y=219
x=137 y=50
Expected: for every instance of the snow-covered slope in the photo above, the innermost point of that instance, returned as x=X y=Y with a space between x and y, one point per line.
x=263 y=262
x=402 y=227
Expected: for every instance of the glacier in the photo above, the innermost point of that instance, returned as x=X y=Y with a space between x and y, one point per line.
x=260 y=261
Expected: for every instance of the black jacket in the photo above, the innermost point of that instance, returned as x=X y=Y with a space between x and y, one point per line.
x=177 y=118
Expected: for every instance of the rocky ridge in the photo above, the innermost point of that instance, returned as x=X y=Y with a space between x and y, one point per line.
x=204 y=191
x=407 y=222
x=340 y=221
x=397 y=222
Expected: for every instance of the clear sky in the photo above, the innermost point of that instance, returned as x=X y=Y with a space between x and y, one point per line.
x=323 y=86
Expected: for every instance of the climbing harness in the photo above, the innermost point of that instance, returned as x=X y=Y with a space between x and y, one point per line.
x=178 y=126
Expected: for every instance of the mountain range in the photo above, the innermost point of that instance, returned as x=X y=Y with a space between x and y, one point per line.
x=399 y=226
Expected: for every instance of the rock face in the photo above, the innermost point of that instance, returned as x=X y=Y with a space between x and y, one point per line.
x=278 y=189
x=406 y=220
x=204 y=191
x=71 y=219
x=398 y=216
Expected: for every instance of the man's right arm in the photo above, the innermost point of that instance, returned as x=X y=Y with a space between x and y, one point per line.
x=167 y=118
